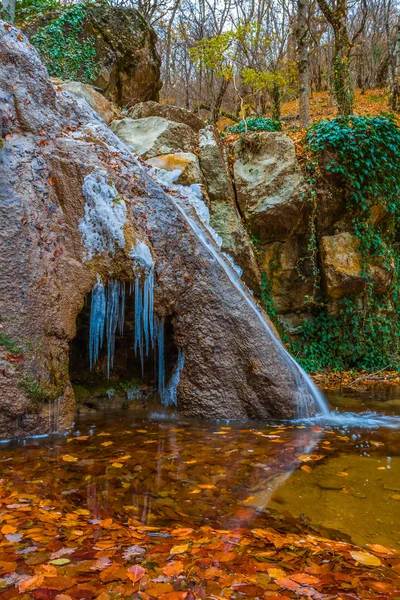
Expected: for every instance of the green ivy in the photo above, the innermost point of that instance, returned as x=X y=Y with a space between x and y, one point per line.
x=255 y=124
x=27 y=10
x=63 y=51
x=364 y=155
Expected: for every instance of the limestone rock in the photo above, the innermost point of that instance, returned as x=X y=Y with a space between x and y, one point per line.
x=187 y=162
x=152 y=136
x=167 y=111
x=97 y=101
x=234 y=366
x=225 y=218
x=341 y=264
x=290 y=278
x=127 y=65
x=270 y=187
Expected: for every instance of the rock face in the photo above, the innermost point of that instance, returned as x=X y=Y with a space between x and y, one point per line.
x=270 y=187
x=167 y=111
x=152 y=136
x=342 y=266
x=126 y=65
x=97 y=101
x=225 y=218
x=55 y=150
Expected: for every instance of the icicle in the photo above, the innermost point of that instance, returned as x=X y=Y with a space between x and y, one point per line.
x=97 y=320
x=170 y=395
x=151 y=304
x=121 y=317
x=112 y=315
x=161 y=362
x=138 y=317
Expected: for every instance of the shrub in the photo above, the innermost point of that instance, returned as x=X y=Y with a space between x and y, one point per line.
x=255 y=124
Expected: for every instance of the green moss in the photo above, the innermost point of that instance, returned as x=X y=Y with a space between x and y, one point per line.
x=34 y=390
x=9 y=344
x=256 y=124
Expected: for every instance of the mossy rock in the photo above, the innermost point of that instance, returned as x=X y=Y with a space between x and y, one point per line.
x=112 y=48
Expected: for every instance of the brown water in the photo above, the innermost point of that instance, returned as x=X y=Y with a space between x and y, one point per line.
x=341 y=480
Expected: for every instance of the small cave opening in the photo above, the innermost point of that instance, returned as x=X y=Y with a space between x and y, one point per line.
x=125 y=374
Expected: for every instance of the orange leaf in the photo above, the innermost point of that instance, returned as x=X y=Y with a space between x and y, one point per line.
x=173 y=568
x=31 y=583
x=6 y=529
x=306 y=468
x=181 y=532
x=136 y=573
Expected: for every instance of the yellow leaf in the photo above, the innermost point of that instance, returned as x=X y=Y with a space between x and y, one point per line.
x=206 y=486
x=195 y=492
x=107 y=443
x=179 y=549
x=69 y=458
x=190 y=462
x=117 y=465
x=306 y=468
x=368 y=560
x=276 y=573
x=342 y=474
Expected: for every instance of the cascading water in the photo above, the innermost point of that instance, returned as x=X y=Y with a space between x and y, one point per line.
x=307 y=390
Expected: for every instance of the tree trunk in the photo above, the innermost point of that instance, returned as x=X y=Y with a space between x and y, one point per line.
x=341 y=80
x=341 y=76
x=303 y=63
x=8 y=11
x=395 y=95
x=276 y=102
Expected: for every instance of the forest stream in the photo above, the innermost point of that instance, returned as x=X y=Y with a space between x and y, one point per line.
x=135 y=489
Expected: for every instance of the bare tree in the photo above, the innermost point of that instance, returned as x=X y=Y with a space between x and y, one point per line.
x=303 y=63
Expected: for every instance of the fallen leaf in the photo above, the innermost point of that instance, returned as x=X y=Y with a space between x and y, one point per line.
x=69 y=458
x=31 y=583
x=364 y=558
x=172 y=568
x=179 y=549
x=136 y=573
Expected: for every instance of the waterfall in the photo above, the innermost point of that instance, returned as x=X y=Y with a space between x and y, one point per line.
x=307 y=390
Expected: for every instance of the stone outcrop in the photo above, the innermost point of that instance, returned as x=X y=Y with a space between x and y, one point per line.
x=166 y=111
x=291 y=283
x=52 y=143
x=270 y=186
x=97 y=101
x=225 y=218
x=126 y=65
x=152 y=136
x=342 y=266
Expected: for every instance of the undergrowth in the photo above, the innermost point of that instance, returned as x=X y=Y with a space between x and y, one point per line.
x=255 y=124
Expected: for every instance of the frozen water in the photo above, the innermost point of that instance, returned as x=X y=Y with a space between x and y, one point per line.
x=141 y=254
x=102 y=225
x=97 y=321
x=170 y=394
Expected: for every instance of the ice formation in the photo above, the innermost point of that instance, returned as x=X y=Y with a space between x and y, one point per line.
x=169 y=396
x=102 y=225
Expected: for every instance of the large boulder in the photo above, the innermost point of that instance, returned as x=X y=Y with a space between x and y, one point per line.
x=110 y=47
x=97 y=101
x=225 y=217
x=77 y=206
x=270 y=186
x=152 y=136
x=342 y=266
x=167 y=111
